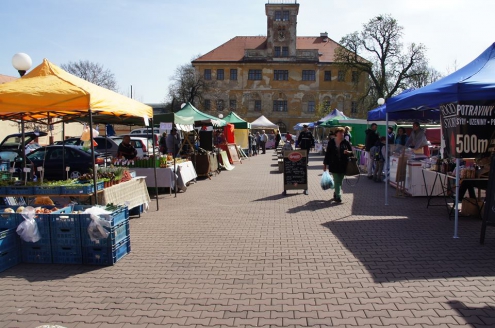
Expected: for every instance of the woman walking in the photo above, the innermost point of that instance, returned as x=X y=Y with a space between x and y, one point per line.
x=336 y=158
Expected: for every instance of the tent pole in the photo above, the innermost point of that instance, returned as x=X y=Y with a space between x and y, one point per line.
x=457 y=174
x=387 y=171
x=23 y=149
x=95 y=172
x=154 y=164
x=63 y=145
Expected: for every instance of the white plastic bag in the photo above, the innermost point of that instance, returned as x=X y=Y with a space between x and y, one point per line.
x=86 y=135
x=28 y=229
x=96 y=229
x=326 y=181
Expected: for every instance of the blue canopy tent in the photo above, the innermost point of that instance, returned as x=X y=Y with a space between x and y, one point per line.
x=473 y=83
x=333 y=114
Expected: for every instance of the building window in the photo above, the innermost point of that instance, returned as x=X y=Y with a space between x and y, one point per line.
x=233 y=74
x=207 y=74
x=308 y=75
x=254 y=74
x=277 y=51
x=278 y=15
x=281 y=75
x=285 y=51
x=326 y=104
x=220 y=74
x=354 y=109
x=285 y=15
x=207 y=104
x=328 y=76
x=311 y=106
x=280 y=105
x=220 y=105
x=257 y=105
x=355 y=77
x=233 y=104
x=341 y=76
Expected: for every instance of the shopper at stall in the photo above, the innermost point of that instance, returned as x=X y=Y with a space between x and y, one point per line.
x=378 y=152
x=347 y=134
x=258 y=142
x=125 y=149
x=390 y=135
x=306 y=141
x=173 y=142
x=252 y=144
x=278 y=137
x=336 y=158
x=372 y=137
x=401 y=138
x=417 y=139
x=162 y=144
x=263 y=140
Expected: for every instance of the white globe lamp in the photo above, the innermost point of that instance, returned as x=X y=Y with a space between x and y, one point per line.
x=380 y=101
x=21 y=62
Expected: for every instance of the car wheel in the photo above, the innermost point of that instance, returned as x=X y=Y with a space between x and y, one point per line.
x=74 y=174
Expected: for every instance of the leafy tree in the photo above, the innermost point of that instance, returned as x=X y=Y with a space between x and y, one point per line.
x=379 y=52
x=92 y=72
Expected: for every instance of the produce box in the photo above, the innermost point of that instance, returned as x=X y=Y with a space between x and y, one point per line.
x=8 y=239
x=33 y=253
x=9 y=258
x=8 y=220
x=64 y=254
x=117 y=234
x=19 y=190
x=104 y=255
x=65 y=229
x=46 y=190
x=76 y=189
x=117 y=216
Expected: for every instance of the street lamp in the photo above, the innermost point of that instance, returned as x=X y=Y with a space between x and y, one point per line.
x=380 y=101
x=21 y=63
x=220 y=116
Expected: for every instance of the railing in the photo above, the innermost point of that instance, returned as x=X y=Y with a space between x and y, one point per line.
x=281 y=2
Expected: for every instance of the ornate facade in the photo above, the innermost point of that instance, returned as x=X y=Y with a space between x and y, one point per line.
x=282 y=76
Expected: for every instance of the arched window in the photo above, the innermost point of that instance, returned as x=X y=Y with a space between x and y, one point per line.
x=308 y=104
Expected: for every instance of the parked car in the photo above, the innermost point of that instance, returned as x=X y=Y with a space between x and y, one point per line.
x=52 y=159
x=149 y=137
x=13 y=141
x=106 y=145
x=139 y=143
x=145 y=131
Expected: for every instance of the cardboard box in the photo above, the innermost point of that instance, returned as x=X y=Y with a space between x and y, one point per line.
x=472 y=207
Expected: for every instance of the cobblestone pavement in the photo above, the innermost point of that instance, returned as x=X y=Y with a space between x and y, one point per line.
x=234 y=252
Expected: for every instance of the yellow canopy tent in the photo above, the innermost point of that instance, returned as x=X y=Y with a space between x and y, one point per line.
x=49 y=91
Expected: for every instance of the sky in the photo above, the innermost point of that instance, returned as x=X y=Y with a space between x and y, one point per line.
x=142 y=42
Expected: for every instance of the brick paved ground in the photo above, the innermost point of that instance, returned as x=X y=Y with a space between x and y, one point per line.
x=234 y=252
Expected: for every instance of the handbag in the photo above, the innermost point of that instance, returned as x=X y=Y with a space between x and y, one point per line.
x=352 y=167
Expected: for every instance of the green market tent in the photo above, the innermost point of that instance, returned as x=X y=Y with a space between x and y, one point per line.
x=200 y=117
x=336 y=121
x=238 y=122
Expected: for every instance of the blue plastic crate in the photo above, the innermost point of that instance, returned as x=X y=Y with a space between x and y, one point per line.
x=76 y=189
x=64 y=254
x=100 y=185
x=9 y=258
x=65 y=229
x=8 y=220
x=43 y=223
x=20 y=190
x=136 y=210
x=117 y=234
x=115 y=218
x=32 y=253
x=8 y=239
x=98 y=255
x=46 y=190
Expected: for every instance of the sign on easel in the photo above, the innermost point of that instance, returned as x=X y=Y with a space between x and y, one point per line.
x=295 y=170
x=232 y=149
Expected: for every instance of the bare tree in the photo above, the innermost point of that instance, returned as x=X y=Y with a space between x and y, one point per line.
x=424 y=76
x=92 y=72
x=378 y=51
x=188 y=85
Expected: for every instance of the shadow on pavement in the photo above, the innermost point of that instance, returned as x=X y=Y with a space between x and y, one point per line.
x=421 y=248
x=44 y=272
x=474 y=316
x=314 y=205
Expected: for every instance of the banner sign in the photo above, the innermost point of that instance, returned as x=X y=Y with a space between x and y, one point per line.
x=165 y=126
x=468 y=128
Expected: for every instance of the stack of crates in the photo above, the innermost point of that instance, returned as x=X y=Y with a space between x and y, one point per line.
x=65 y=231
x=109 y=250
x=10 y=250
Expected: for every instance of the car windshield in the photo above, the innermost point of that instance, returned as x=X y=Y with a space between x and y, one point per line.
x=7 y=155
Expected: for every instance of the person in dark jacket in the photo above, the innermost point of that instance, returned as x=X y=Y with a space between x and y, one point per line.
x=372 y=137
x=390 y=135
x=336 y=158
x=306 y=141
x=278 y=137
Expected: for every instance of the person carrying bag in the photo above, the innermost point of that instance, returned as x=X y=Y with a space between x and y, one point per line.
x=337 y=159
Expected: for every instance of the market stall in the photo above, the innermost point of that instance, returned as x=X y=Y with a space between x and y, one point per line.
x=165 y=177
x=241 y=131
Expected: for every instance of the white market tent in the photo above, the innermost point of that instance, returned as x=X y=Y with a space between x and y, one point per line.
x=263 y=123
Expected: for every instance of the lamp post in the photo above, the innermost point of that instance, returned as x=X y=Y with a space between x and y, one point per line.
x=22 y=63
x=381 y=102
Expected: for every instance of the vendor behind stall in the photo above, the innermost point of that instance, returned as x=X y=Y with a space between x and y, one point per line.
x=417 y=139
x=126 y=150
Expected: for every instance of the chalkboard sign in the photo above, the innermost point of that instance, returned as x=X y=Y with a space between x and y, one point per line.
x=489 y=207
x=295 y=170
x=232 y=149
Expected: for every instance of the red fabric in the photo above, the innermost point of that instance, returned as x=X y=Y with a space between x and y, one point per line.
x=228 y=131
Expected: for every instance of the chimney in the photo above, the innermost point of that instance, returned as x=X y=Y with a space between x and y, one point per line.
x=324 y=36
